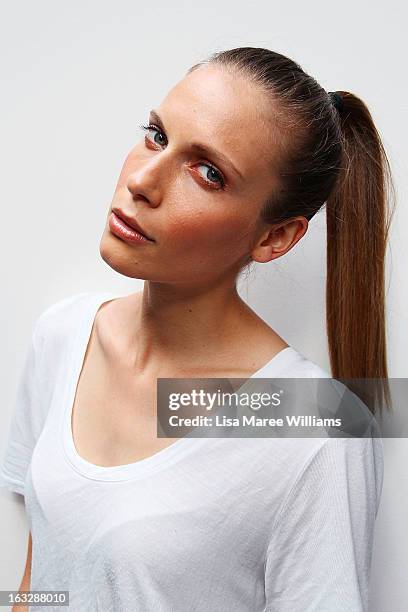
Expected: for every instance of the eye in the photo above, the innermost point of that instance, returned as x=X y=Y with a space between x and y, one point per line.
x=212 y=172
x=152 y=128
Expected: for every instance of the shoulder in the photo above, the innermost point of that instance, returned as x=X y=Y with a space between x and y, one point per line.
x=64 y=306
x=292 y=363
x=60 y=312
x=61 y=319
x=306 y=366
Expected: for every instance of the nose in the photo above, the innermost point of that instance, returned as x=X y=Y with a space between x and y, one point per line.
x=144 y=181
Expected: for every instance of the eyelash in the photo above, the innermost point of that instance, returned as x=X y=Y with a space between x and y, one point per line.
x=151 y=126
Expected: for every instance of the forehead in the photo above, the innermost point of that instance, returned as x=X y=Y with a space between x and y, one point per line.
x=227 y=111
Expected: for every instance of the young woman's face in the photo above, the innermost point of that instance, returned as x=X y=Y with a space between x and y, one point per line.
x=201 y=208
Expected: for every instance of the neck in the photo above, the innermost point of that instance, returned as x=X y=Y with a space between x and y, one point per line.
x=186 y=325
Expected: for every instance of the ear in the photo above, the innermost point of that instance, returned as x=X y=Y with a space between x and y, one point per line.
x=278 y=239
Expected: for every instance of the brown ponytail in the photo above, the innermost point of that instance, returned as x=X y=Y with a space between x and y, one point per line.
x=358 y=221
x=331 y=156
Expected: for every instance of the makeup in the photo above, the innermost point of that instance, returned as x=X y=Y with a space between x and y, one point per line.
x=120 y=229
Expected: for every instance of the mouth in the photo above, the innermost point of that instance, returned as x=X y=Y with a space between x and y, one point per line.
x=129 y=233
x=131 y=223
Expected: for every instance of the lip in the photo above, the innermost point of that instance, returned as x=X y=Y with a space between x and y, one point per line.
x=132 y=223
x=119 y=227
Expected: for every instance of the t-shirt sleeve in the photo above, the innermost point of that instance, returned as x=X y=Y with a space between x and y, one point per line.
x=21 y=438
x=320 y=548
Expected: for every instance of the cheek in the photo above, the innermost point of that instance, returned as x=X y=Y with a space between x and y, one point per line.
x=207 y=235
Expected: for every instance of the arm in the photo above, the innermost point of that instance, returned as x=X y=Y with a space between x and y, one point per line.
x=26 y=580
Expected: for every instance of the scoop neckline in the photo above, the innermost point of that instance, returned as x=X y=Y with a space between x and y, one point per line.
x=162 y=458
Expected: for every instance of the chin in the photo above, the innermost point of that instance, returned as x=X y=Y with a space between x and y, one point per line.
x=120 y=257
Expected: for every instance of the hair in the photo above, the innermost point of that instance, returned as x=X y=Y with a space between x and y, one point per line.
x=331 y=156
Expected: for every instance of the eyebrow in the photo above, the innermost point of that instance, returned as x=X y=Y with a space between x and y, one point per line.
x=199 y=148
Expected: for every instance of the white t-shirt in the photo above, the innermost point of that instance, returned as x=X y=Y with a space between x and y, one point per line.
x=206 y=524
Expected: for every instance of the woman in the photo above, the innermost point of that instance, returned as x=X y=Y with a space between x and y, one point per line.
x=241 y=153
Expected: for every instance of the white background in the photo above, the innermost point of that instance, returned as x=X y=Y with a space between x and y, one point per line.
x=78 y=78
